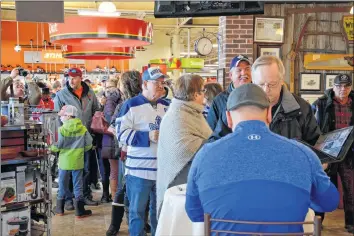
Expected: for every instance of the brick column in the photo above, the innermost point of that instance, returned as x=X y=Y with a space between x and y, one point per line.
x=236 y=37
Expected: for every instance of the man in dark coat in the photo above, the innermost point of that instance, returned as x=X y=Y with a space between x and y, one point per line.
x=335 y=110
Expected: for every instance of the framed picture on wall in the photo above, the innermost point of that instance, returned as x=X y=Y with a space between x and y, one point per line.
x=269 y=50
x=310 y=81
x=311 y=97
x=329 y=80
x=220 y=77
x=269 y=30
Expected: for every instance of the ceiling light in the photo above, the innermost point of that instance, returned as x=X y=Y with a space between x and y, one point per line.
x=107 y=7
x=215 y=45
x=97 y=13
x=352 y=10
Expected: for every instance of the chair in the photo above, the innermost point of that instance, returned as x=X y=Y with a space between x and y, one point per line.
x=207 y=227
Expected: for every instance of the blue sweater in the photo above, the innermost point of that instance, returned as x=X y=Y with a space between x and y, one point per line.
x=256 y=175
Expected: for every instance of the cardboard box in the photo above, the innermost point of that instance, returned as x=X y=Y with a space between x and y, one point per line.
x=8 y=187
x=10 y=221
x=28 y=184
x=20 y=183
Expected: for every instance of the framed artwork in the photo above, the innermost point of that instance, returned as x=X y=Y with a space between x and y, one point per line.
x=310 y=81
x=329 y=80
x=220 y=77
x=269 y=30
x=269 y=50
x=311 y=97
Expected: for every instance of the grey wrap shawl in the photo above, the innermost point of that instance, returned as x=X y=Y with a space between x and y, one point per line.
x=182 y=131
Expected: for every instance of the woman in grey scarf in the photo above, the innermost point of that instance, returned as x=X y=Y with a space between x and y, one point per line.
x=183 y=130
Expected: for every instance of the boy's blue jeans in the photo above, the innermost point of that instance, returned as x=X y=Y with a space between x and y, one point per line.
x=139 y=191
x=64 y=178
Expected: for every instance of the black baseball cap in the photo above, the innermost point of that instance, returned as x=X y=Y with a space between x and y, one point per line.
x=343 y=79
x=247 y=95
x=45 y=90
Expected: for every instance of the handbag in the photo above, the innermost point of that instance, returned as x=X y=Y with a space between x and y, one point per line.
x=99 y=123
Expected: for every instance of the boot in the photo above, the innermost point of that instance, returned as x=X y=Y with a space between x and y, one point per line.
x=80 y=211
x=105 y=196
x=116 y=221
x=60 y=207
x=113 y=186
x=69 y=206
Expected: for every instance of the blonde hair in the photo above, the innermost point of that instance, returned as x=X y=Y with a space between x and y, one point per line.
x=186 y=86
x=267 y=61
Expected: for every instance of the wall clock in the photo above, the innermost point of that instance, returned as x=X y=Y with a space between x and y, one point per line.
x=203 y=46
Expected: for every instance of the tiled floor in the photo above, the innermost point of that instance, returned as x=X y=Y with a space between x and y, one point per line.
x=97 y=224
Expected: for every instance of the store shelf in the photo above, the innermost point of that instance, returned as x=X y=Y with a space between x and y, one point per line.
x=18 y=205
x=18 y=127
x=20 y=160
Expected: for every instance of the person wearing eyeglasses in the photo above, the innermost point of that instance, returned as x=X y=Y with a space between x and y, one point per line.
x=240 y=73
x=80 y=95
x=335 y=110
x=291 y=116
x=138 y=126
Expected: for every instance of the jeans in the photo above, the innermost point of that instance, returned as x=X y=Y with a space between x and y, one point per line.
x=64 y=180
x=139 y=191
x=86 y=177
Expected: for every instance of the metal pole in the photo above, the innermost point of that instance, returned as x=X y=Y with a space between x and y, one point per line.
x=189 y=42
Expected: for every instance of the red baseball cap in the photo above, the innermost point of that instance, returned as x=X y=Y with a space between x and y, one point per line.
x=75 y=72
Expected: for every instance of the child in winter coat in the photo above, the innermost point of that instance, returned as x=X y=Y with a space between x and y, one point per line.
x=73 y=141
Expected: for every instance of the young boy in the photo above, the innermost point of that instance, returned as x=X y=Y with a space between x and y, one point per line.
x=73 y=141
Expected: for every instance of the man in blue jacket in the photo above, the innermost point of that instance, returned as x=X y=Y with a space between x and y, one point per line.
x=258 y=175
x=240 y=73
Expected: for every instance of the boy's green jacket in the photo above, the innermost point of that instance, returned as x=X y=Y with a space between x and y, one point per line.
x=73 y=141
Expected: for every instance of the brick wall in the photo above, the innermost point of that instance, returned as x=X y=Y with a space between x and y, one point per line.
x=236 y=38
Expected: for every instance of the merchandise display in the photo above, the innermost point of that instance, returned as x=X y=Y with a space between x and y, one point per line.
x=25 y=193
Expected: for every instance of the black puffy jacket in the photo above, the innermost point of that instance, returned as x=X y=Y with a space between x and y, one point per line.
x=326 y=119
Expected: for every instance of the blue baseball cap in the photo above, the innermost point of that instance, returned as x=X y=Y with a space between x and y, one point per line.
x=154 y=73
x=236 y=60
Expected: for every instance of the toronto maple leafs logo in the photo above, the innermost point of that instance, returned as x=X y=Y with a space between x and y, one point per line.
x=156 y=125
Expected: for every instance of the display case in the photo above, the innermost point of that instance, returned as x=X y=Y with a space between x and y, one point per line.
x=26 y=192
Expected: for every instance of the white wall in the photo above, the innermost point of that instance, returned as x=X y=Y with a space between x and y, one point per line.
x=160 y=48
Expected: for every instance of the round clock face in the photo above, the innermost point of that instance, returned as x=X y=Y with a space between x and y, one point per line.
x=203 y=46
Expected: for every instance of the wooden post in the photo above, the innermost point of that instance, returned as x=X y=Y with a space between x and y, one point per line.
x=207 y=226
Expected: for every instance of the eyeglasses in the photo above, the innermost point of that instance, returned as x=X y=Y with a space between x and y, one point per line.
x=203 y=90
x=269 y=85
x=156 y=82
x=342 y=86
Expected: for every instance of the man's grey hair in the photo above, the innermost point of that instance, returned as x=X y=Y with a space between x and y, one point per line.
x=267 y=61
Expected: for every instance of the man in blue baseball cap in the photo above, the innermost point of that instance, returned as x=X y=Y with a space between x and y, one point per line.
x=138 y=127
x=240 y=73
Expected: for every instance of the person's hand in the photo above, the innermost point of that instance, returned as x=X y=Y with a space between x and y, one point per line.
x=123 y=155
x=325 y=166
x=154 y=136
x=103 y=100
x=14 y=73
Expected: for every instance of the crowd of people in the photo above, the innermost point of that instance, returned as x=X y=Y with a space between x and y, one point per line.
x=235 y=149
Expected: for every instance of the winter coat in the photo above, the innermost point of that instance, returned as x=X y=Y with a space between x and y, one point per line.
x=87 y=105
x=326 y=119
x=73 y=141
x=109 y=144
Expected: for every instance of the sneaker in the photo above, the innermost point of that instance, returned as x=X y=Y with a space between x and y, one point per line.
x=89 y=202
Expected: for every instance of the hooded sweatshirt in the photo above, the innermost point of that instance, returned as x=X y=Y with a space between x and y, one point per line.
x=73 y=141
